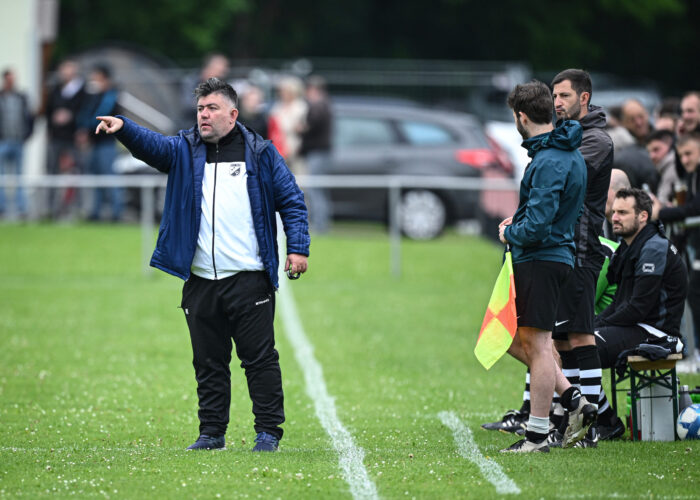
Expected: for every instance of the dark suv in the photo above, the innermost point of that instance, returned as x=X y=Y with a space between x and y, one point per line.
x=379 y=138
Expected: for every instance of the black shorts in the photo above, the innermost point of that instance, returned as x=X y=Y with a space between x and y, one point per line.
x=612 y=340
x=576 y=311
x=537 y=287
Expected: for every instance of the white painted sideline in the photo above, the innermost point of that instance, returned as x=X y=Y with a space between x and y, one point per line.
x=350 y=456
x=469 y=450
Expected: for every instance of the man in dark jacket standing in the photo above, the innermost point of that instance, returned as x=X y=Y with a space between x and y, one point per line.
x=218 y=232
x=573 y=333
x=541 y=234
x=16 y=125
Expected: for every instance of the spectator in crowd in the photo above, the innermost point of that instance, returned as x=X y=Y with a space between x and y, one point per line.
x=690 y=113
x=231 y=272
x=620 y=135
x=635 y=118
x=214 y=65
x=64 y=101
x=541 y=235
x=252 y=112
x=316 y=149
x=666 y=115
x=100 y=100
x=633 y=158
x=16 y=126
x=688 y=148
x=663 y=156
x=287 y=120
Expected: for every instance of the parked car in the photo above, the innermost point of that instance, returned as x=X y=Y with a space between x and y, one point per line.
x=380 y=138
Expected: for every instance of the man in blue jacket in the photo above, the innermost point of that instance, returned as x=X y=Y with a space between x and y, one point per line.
x=218 y=232
x=541 y=234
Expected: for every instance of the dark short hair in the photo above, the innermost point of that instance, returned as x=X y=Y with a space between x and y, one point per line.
x=642 y=200
x=662 y=135
x=216 y=86
x=534 y=99
x=686 y=138
x=103 y=69
x=580 y=81
x=670 y=106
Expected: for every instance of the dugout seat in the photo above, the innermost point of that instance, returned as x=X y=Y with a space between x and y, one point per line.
x=642 y=373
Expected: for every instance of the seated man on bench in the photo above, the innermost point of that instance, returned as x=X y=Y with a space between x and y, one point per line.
x=652 y=284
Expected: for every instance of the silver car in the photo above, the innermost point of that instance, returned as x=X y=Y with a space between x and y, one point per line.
x=377 y=138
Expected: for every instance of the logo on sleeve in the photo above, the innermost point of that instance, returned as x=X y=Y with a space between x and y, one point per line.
x=648 y=267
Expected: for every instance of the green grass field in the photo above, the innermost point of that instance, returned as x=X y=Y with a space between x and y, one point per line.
x=97 y=393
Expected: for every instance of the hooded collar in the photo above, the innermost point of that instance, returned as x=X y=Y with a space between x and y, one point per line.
x=595 y=118
x=566 y=136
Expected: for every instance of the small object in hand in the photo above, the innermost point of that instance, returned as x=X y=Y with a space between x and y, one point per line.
x=293 y=276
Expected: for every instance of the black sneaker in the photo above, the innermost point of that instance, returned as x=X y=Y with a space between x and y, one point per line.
x=591 y=439
x=205 y=442
x=512 y=422
x=527 y=446
x=554 y=438
x=609 y=432
x=266 y=442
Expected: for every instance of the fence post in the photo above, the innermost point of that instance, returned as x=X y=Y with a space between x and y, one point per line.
x=395 y=226
x=147 y=215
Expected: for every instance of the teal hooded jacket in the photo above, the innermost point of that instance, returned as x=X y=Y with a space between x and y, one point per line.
x=551 y=197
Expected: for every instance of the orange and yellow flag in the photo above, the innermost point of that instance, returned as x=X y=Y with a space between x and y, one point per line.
x=500 y=321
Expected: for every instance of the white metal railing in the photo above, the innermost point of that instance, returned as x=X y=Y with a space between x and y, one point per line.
x=393 y=184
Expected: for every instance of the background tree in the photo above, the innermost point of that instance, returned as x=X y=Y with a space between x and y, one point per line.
x=654 y=39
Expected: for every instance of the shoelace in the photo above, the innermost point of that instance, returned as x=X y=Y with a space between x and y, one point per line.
x=264 y=437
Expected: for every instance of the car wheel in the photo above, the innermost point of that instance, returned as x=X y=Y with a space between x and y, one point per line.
x=423 y=214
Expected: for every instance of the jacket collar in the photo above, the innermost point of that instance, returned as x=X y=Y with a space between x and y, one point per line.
x=625 y=252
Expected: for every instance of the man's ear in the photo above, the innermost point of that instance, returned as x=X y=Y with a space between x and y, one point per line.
x=523 y=117
x=585 y=99
x=234 y=114
x=643 y=216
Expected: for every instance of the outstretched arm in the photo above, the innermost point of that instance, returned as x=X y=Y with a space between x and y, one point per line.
x=109 y=124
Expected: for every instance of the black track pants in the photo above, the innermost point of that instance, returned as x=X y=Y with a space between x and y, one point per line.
x=237 y=310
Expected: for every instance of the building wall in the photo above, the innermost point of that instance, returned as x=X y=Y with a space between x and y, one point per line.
x=23 y=26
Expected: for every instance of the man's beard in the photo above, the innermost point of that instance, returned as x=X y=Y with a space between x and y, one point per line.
x=573 y=114
x=521 y=129
x=626 y=233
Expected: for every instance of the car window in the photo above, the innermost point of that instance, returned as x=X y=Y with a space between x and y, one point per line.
x=425 y=134
x=351 y=131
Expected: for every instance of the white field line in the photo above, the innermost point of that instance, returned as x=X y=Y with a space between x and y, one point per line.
x=350 y=456
x=469 y=450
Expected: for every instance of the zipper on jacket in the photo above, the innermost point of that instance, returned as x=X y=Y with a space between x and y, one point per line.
x=213 y=213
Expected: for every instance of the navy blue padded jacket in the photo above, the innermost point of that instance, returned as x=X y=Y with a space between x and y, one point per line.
x=271 y=188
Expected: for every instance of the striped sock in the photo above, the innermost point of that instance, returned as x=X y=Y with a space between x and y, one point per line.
x=526 y=393
x=606 y=414
x=569 y=367
x=590 y=372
